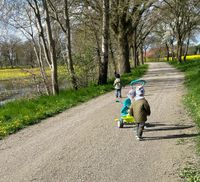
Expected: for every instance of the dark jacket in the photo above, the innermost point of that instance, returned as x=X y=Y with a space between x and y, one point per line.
x=140 y=109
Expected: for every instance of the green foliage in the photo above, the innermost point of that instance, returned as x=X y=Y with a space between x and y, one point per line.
x=21 y=113
x=190 y=174
x=85 y=66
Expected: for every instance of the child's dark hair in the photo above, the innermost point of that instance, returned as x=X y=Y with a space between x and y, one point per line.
x=117 y=75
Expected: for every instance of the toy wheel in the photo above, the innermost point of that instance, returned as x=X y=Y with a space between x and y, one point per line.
x=120 y=123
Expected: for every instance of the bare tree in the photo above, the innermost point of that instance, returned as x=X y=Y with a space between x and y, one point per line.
x=9 y=49
x=61 y=15
x=47 y=41
x=27 y=24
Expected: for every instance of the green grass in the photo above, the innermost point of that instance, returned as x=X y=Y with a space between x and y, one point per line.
x=192 y=82
x=190 y=174
x=21 y=113
x=192 y=102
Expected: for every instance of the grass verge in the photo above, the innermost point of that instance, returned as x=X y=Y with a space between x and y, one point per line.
x=192 y=102
x=190 y=174
x=21 y=113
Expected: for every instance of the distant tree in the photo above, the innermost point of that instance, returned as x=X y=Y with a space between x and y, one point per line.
x=9 y=50
x=183 y=17
x=144 y=28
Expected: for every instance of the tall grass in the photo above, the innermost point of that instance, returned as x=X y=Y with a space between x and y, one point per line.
x=19 y=114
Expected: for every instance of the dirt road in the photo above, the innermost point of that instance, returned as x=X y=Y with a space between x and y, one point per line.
x=84 y=143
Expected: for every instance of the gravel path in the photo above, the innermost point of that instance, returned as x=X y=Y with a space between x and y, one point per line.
x=84 y=143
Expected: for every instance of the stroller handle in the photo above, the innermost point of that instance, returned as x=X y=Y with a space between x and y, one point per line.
x=135 y=82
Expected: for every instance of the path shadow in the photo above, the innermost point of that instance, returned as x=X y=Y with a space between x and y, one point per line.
x=172 y=136
x=149 y=127
x=167 y=127
x=154 y=126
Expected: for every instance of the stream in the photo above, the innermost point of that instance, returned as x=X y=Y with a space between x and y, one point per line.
x=11 y=90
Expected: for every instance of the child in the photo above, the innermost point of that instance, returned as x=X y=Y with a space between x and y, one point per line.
x=117 y=75
x=127 y=103
x=140 y=109
x=131 y=94
x=117 y=86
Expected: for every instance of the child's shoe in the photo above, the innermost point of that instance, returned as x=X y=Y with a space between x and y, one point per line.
x=138 y=138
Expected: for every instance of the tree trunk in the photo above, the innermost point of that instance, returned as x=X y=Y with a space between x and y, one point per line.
x=103 y=69
x=112 y=56
x=137 y=58
x=40 y=28
x=135 y=48
x=52 y=51
x=167 y=49
x=98 y=52
x=145 y=53
x=124 y=64
x=41 y=66
x=48 y=47
x=98 y=49
x=69 y=49
x=142 y=53
x=179 y=50
x=10 y=58
x=186 y=49
x=132 y=52
x=172 y=49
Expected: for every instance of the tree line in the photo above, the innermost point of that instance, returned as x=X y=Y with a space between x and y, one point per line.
x=94 y=38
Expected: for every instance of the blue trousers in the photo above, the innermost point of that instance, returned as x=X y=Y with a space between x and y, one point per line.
x=118 y=93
